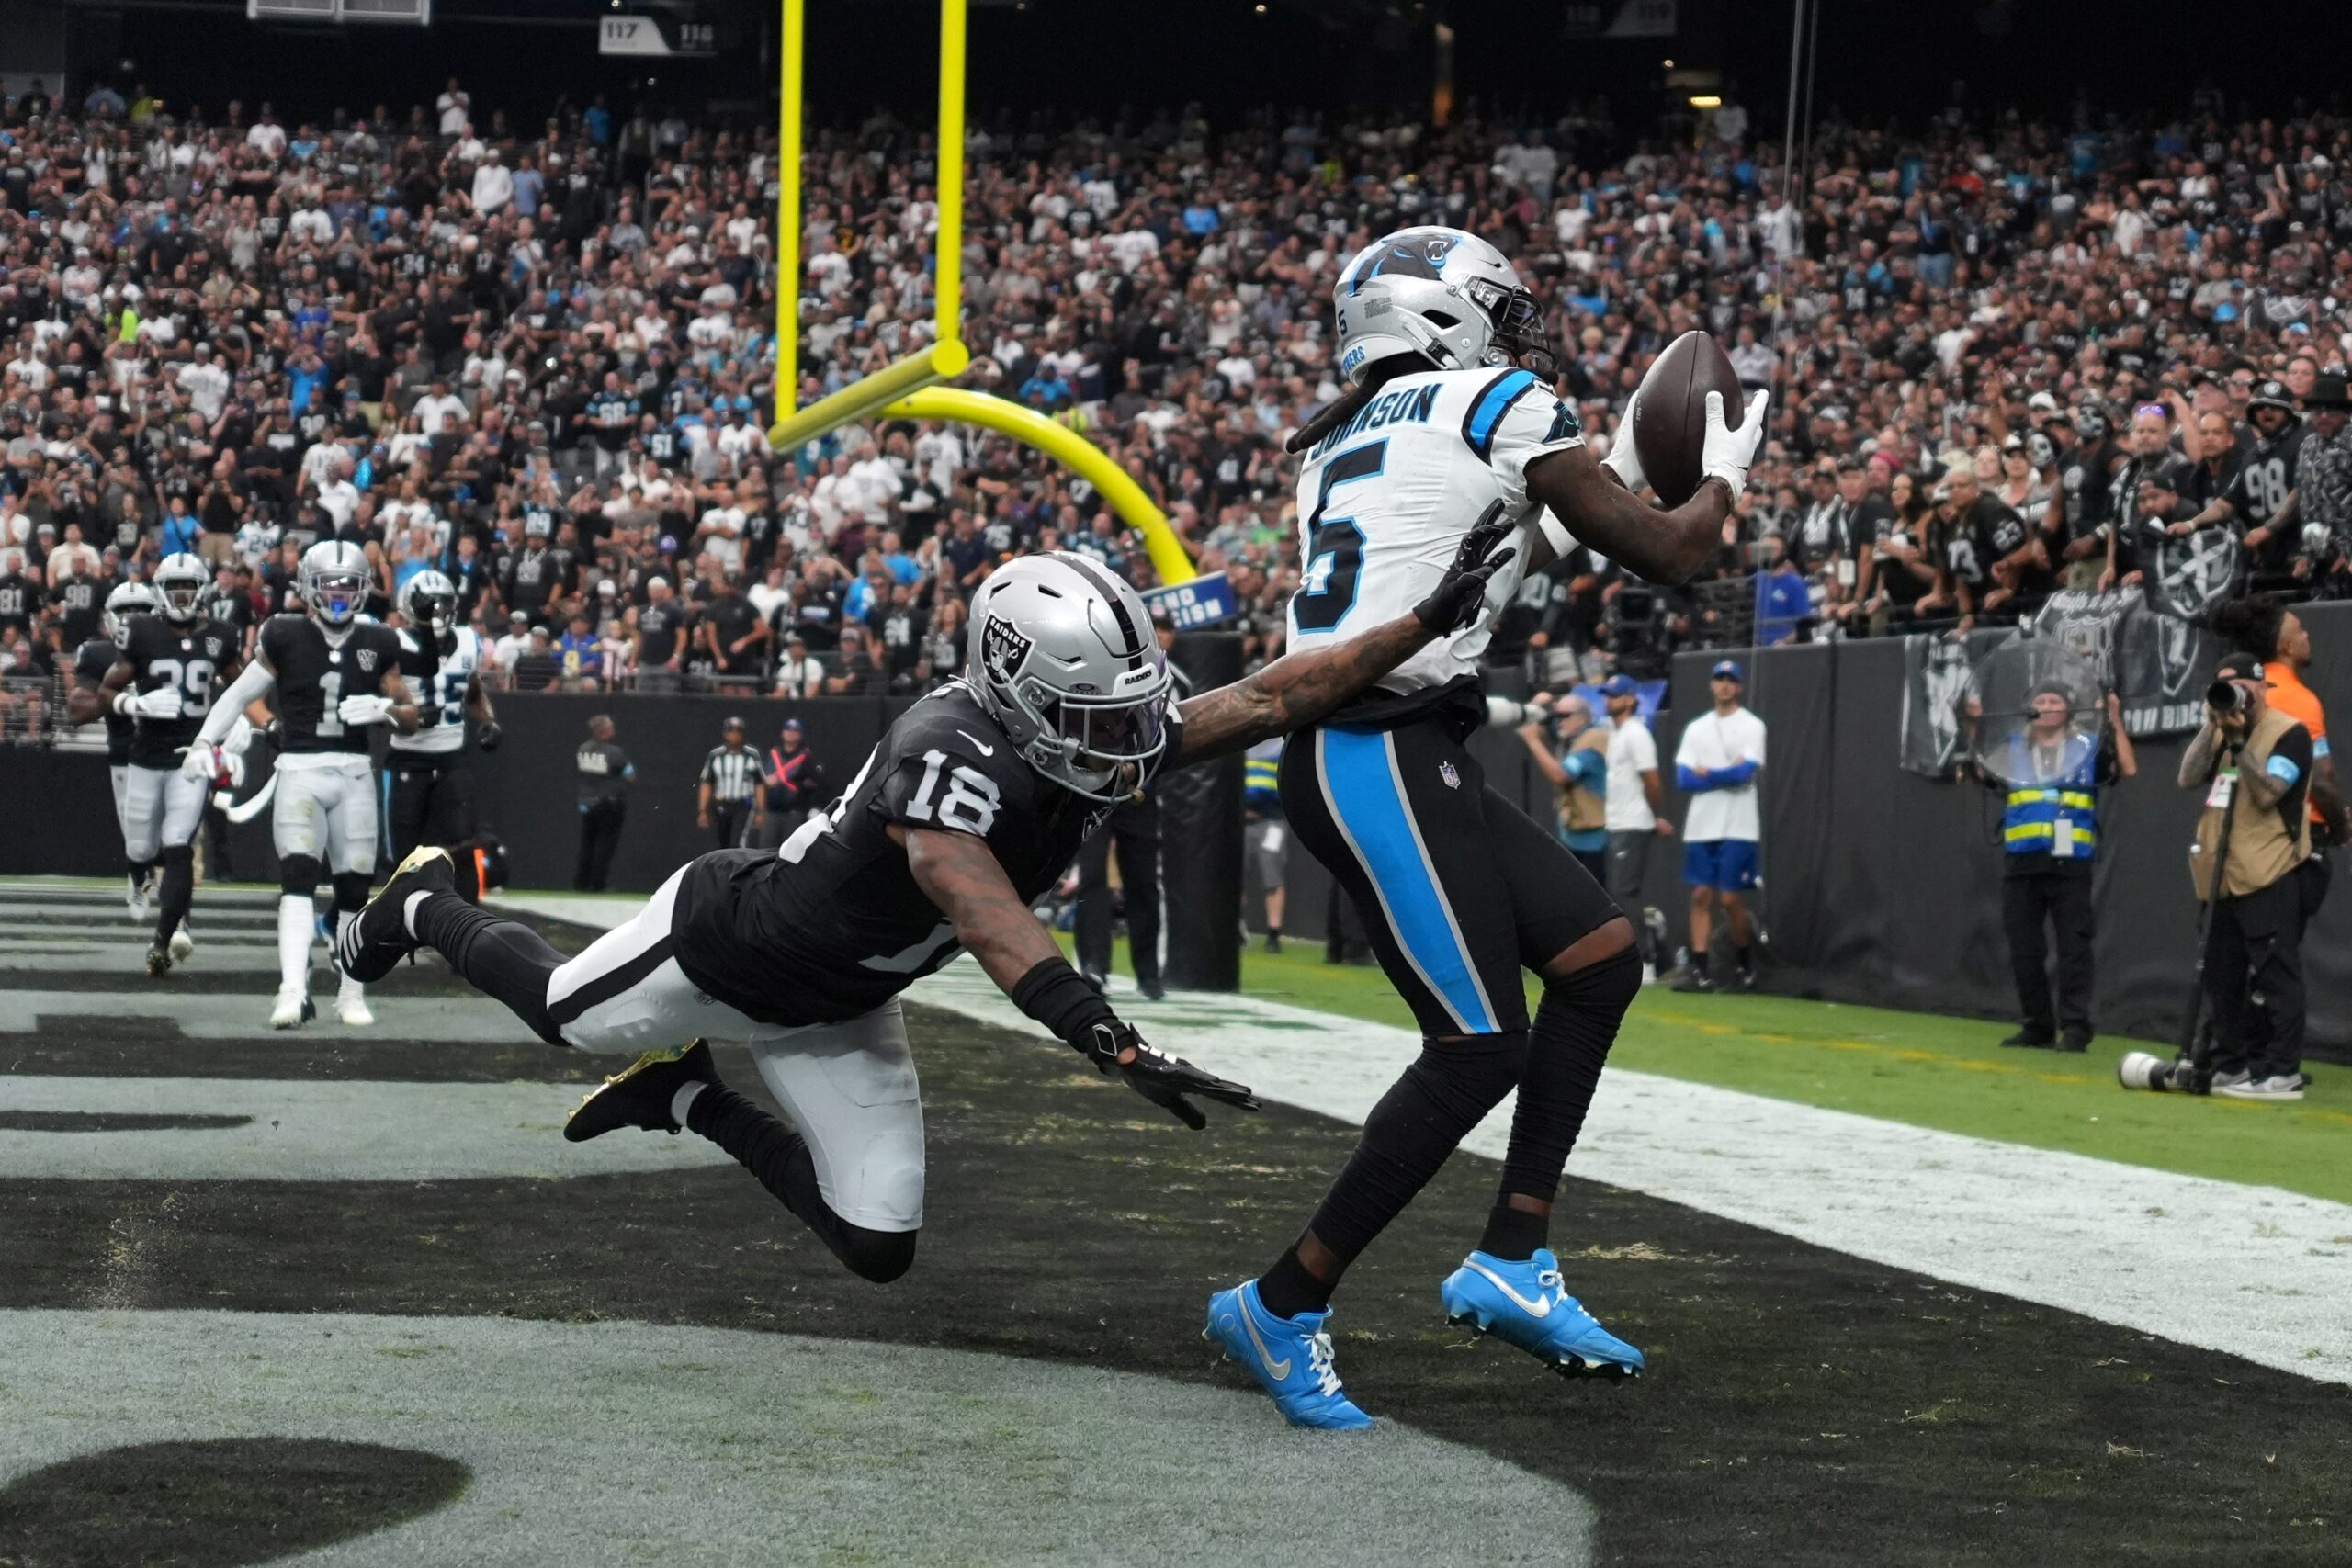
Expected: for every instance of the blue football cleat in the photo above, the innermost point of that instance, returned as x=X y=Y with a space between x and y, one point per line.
x=1526 y=1305
x=1291 y=1356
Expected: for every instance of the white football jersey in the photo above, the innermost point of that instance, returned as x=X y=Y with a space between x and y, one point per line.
x=1384 y=500
x=441 y=700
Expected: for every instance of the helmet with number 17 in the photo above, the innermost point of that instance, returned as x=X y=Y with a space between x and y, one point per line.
x=1440 y=296
x=129 y=599
x=182 y=583
x=1064 y=657
x=335 y=581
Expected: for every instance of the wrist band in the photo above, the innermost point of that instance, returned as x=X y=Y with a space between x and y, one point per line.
x=1058 y=996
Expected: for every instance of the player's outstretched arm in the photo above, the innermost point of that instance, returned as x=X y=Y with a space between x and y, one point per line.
x=1300 y=688
x=959 y=873
x=1595 y=502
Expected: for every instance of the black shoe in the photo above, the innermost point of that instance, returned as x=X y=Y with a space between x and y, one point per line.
x=1101 y=984
x=2074 y=1041
x=640 y=1094
x=1273 y=942
x=1693 y=982
x=1743 y=980
x=2031 y=1040
x=371 y=945
x=159 y=961
x=1151 y=990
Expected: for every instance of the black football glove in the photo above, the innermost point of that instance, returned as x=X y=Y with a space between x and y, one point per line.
x=489 y=735
x=1455 y=603
x=1164 y=1080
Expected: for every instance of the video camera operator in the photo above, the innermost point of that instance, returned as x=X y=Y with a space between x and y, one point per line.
x=2253 y=862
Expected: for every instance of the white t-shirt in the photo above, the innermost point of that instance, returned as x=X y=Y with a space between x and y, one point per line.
x=1384 y=500
x=1714 y=741
x=1633 y=751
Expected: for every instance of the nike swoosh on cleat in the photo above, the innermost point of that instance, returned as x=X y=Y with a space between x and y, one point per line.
x=1280 y=1370
x=984 y=750
x=1540 y=1307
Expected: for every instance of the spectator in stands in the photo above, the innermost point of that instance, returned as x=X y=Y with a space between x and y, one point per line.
x=2324 y=478
x=797 y=674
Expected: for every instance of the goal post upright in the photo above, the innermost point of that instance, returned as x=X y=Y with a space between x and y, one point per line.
x=910 y=387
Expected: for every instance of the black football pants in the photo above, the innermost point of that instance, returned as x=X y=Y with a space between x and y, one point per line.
x=2060 y=895
x=1133 y=831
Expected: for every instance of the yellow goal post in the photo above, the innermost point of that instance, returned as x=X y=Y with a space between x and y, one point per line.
x=911 y=388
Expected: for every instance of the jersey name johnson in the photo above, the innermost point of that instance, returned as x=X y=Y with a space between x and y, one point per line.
x=1384 y=500
x=314 y=676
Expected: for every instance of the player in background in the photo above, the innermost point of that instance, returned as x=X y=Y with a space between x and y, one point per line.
x=92 y=661
x=429 y=796
x=170 y=667
x=1453 y=412
x=333 y=678
x=967 y=811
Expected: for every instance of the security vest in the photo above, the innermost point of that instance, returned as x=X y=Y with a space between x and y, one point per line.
x=1261 y=777
x=2263 y=848
x=1583 y=807
x=2059 y=817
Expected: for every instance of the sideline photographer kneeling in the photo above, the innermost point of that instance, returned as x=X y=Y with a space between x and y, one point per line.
x=2252 y=858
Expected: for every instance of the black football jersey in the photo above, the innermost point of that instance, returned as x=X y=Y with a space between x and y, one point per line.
x=314 y=676
x=91 y=663
x=833 y=924
x=196 y=660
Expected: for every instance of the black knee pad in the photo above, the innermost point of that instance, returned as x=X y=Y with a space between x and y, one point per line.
x=1610 y=985
x=351 y=891
x=298 y=875
x=878 y=1256
x=1463 y=1080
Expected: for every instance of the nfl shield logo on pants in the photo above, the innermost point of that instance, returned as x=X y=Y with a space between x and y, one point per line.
x=1453 y=780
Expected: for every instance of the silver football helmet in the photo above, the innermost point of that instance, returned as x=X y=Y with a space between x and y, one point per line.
x=1440 y=295
x=1064 y=659
x=182 y=583
x=129 y=599
x=335 y=581
x=429 y=603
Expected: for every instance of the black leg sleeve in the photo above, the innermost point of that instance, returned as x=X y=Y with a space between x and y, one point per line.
x=178 y=891
x=502 y=958
x=780 y=1159
x=1139 y=870
x=1575 y=1025
x=1446 y=1092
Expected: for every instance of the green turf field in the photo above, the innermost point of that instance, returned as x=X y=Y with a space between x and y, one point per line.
x=1945 y=1073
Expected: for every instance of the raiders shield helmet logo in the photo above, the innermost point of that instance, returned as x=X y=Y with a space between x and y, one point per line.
x=1003 y=650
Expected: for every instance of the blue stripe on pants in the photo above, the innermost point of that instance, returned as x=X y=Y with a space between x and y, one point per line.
x=1359 y=782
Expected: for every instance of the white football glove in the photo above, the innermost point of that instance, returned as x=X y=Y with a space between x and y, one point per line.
x=364 y=710
x=239 y=737
x=163 y=703
x=1622 y=460
x=232 y=775
x=1729 y=453
x=202 y=762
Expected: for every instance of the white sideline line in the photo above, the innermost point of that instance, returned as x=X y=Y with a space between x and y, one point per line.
x=2252 y=1272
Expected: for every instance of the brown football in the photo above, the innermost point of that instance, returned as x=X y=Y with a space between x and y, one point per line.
x=1670 y=417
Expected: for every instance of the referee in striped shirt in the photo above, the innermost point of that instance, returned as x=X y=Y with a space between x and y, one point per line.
x=732 y=789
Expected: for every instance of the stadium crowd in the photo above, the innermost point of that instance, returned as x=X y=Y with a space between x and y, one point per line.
x=2005 y=356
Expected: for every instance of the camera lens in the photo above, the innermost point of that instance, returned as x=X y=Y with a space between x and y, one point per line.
x=2225 y=696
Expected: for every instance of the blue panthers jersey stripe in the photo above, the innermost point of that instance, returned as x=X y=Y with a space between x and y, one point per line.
x=1488 y=407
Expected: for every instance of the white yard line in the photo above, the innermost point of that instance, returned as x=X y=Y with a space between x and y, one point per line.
x=2253 y=1271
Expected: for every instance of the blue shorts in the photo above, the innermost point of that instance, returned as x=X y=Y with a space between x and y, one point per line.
x=1726 y=863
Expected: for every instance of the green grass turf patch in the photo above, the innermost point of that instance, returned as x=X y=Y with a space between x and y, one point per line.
x=1946 y=1073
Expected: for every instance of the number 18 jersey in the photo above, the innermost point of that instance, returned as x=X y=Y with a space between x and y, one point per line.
x=1384 y=500
x=833 y=925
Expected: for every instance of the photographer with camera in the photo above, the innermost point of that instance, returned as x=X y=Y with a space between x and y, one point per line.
x=2253 y=865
